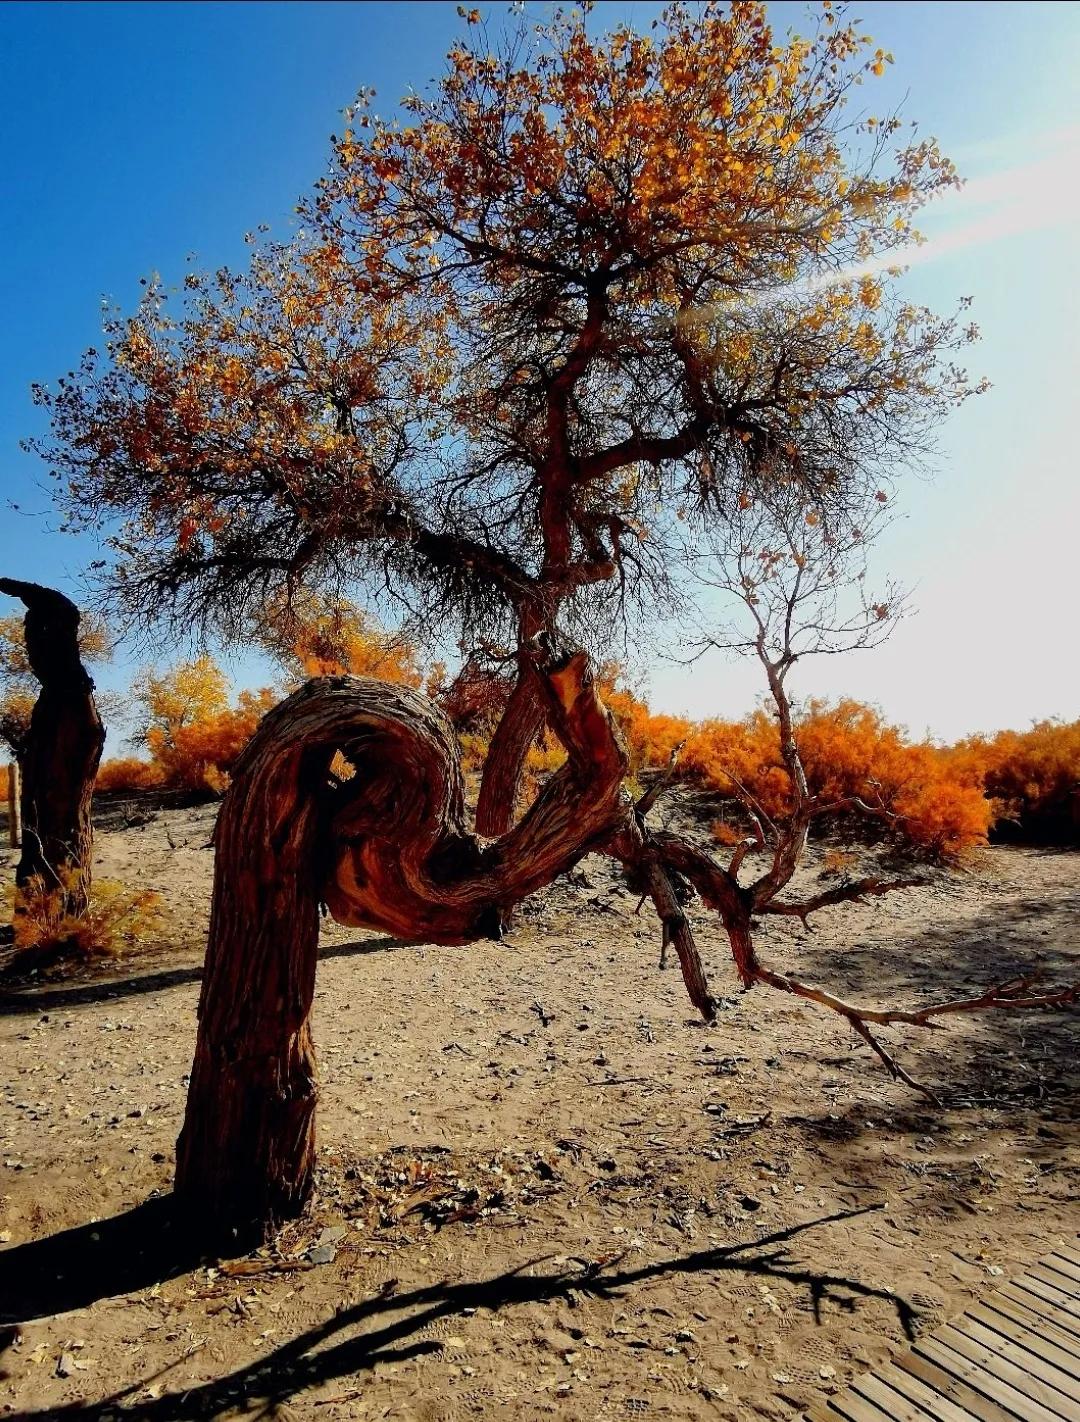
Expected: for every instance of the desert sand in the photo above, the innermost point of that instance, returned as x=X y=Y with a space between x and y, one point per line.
x=544 y=1187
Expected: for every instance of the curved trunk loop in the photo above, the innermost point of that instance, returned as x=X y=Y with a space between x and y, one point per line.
x=388 y=849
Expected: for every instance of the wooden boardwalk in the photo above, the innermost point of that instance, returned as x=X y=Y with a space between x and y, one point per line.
x=1014 y=1356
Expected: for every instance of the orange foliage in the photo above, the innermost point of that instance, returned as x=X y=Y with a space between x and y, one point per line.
x=650 y=737
x=193 y=732
x=941 y=801
x=331 y=637
x=281 y=419
x=3 y=783
x=848 y=752
x=1032 y=778
x=199 y=754
x=129 y=773
x=116 y=918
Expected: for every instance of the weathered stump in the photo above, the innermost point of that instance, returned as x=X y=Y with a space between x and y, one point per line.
x=63 y=750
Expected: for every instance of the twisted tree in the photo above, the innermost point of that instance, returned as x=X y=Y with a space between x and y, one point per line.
x=532 y=342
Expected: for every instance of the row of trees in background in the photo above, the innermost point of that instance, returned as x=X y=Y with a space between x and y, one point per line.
x=941 y=800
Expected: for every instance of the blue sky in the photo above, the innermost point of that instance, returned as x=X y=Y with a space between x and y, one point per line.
x=133 y=135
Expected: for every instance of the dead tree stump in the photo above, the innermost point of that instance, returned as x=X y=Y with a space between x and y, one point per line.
x=63 y=750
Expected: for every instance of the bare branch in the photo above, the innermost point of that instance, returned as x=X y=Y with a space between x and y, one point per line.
x=842 y=893
x=660 y=784
x=1010 y=996
x=742 y=849
x=637 y=848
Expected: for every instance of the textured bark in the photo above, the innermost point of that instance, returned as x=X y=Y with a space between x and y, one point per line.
x=401 y=859
x=246 y=1152
x=521 y=723
x=719 y=890
x=60 y=761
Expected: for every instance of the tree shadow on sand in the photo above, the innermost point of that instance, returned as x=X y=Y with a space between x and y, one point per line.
x=30 y=1001
x=1001 y=940
x=144 y=1246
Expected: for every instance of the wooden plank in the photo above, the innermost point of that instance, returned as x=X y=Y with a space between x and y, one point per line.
x=1062 y=1260
x=1063 y=1358
x=998 y=1364
x=982 y=1382
x=932 y=1402
x=1011 y=1357
x=954 y=1388
x=1037 y=1324
x=1066 y=1271
x=892 y=1403
x=856 y=1409
x=1062 y=1303
x=1049 y=1297
x=1036 y=1303
x=1054 y=1280
x=993 y=1331
x=821 y=1413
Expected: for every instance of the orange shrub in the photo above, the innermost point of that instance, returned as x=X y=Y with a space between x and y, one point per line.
x=128 y=773
x=847 y=751
x=199 y=754
x=650 y=737
x=316 y=635
x=1031 y=777
x=116 y=918
x=729 y=756
x=192 y=731
x=3 y=783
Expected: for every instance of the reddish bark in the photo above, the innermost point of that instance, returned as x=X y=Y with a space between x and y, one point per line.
x=521 y=723
x=402 y=859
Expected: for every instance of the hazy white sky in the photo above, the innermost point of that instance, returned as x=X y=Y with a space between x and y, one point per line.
x=989 y=542
x=131 y=135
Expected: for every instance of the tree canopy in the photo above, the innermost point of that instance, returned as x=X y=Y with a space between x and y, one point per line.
x=531 y=339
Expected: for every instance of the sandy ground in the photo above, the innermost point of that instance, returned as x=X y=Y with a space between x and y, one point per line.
x=544 y=1187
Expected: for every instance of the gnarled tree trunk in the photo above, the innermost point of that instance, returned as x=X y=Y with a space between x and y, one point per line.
x=389 y=849
x=59 y=764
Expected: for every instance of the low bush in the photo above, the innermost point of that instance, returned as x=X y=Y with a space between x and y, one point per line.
x=849 y=753
x=117 y=918
x=129 y=773
x=1032 y=779
x=936 y=801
